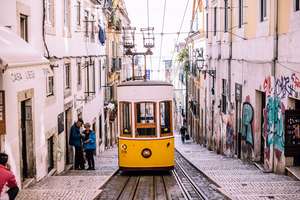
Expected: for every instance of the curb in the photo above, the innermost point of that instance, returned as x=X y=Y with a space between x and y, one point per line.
x=219 y=188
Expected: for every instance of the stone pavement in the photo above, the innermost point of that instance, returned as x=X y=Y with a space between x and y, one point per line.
x=75 y=184
x=237 y=179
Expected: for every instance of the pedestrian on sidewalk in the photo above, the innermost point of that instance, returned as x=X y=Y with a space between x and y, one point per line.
x=76 y=141
x=7 y=178
x=182 y=132
x=89 y=145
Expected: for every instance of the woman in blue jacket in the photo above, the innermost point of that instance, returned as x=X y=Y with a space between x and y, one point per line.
x=89 y=145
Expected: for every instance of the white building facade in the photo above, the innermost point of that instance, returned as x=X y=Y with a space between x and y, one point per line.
x=48 y=98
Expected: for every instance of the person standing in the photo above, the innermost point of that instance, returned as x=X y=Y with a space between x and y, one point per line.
x=182 y=133
x=89 y=145
x=76 y=141
x=7 y=178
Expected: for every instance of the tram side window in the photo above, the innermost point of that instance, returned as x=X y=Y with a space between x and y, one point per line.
x=165 y=117
x=125 y=114
x=145 y=119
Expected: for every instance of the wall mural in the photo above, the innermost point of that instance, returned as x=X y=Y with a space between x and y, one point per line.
x=248 y=114
x=274 y=126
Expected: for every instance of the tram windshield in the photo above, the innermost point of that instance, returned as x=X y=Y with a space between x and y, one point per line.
x=165 y=117
x=145 y=119
x=125 y=118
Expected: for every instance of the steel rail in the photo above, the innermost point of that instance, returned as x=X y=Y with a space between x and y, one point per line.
x=197 y=190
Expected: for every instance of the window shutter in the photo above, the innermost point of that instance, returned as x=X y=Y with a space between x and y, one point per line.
x=2 y=113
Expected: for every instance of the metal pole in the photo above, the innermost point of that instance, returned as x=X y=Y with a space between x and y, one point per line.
x=145 y=67
x=132 y=67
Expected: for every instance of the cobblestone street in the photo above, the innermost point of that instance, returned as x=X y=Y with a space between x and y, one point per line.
x=75 y=184
x=238 y=179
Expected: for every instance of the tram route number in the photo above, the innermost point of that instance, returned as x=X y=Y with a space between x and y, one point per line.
x=18 y=76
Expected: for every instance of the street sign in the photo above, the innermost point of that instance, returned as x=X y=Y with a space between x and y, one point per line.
x=292 y=133
x=147 y=74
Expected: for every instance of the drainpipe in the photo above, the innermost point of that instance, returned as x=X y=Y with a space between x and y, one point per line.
x=43 y=28
x=230 y=55
x=275 y=60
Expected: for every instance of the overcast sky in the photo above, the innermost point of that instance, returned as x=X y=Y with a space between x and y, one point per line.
x=137 y=10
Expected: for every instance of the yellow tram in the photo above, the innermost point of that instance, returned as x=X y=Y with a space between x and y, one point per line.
x=145 y=129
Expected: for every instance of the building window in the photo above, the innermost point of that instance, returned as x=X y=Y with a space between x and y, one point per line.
x=78 y=16
x=49 y=4
x=79 y=73
x=206 y=25
x=241 y=13
x=24 y=27
x=67 y=16
x=86 y=21
x=225 y=15
x=93 y=28
x=67 y=76
x=297 y=5
x=50 y=85
x=215 y=21
x=125 y=118
x=263 y=10
x=224 y=95
x=90 y=78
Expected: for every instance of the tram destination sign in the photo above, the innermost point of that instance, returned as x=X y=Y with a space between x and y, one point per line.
x=292 y=133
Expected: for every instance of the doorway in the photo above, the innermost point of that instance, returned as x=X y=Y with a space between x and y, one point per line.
x=50 y=154
x=26 y=141
x=262 y=139
x=238 y=128
x=100 y=130
x=68 y=124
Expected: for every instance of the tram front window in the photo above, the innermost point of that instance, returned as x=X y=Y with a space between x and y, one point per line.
x=165 y=117
x=125 y=118
x=145 y=119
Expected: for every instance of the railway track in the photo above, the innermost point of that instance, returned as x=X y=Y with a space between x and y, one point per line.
x=184 y=182
x=193 y=183
x=145 y=186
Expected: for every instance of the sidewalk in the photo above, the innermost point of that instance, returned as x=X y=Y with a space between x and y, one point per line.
x=75 y=184
x=238 y=179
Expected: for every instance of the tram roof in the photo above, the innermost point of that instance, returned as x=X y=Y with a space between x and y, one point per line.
x=144 y=83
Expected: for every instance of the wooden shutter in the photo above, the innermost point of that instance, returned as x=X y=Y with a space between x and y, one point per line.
x=2 y=112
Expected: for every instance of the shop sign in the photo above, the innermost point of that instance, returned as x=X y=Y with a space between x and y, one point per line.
x=238 y=92
x=292 y=133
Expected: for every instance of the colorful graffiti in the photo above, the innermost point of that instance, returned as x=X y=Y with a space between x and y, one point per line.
x=284 y=85
x=274 y=126
x=248 y=114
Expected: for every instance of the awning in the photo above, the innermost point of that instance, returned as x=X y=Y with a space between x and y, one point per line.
x=15 y=52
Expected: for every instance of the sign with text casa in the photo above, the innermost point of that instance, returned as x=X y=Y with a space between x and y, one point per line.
x=2 y=112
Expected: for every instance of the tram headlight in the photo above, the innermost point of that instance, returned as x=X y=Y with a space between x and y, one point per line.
x=124 y=147
x=146 y=153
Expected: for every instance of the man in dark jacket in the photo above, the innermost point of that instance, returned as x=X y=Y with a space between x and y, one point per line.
x=182 y=133
x=75 y=140
x=7 y=178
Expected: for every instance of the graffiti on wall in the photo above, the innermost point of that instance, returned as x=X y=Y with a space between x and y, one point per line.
x=284 y=86
x=274 y=126
x=248 y=114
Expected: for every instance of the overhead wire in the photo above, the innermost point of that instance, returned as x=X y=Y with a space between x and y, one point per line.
x=182 y=20
x=162 y=30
